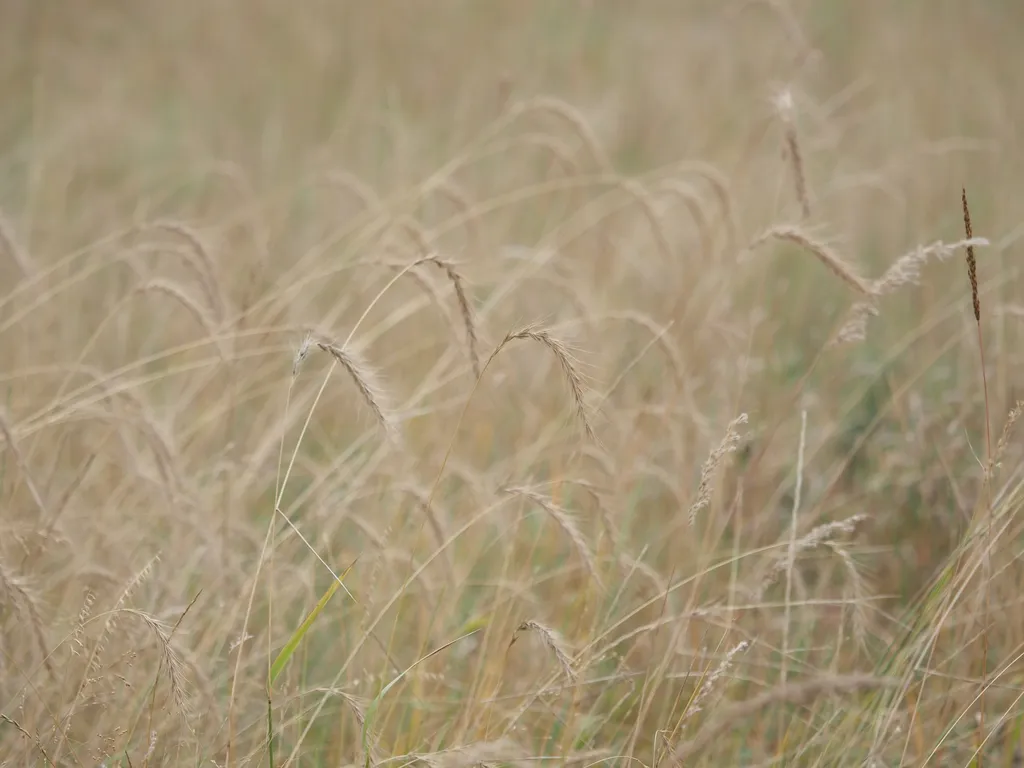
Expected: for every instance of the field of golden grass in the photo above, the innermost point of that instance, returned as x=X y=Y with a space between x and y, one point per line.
x=511 y=383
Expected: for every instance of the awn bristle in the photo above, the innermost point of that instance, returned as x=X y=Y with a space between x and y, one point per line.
x=366 y=382
x=553 y=640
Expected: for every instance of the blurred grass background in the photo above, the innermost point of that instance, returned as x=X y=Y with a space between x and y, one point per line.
x=596 y=166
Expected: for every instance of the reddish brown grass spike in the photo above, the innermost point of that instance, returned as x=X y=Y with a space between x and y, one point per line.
x=972 y=265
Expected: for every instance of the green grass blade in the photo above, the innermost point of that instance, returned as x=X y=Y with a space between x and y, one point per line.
x=293 y=642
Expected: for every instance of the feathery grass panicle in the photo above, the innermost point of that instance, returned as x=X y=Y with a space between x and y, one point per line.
x=1004 y=439
x=554 y=641
x=855 y=328
x=176 y=674
x=819 y=535
x=696 y=703
x=565 y=359
x=366 y=382
x=729 y=443
x=906 y=270
x=824 y=254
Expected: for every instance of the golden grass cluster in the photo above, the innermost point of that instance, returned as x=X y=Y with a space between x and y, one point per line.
x=451 y=384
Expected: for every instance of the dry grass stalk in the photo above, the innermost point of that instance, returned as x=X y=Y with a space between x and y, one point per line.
x=789 y=693
x=729 y=444
x=824 y=253
x=34 y=739
x=23 y=466
x=484 y=753
x=16 y=591
x=565 y=521
x=565 y=360
x=366 y=382
x=10 y=244
x=785 y=109
x=554 y=641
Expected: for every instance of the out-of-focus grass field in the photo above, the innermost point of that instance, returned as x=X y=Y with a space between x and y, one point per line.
x=253 y=256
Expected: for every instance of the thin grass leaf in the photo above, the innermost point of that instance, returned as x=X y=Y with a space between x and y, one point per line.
x=293 y=642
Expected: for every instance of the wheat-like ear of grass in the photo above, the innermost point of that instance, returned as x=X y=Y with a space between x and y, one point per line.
x=824 y=254
x=553 y=640
x=366 y=382
x=465 y=309
x=565 y=359
x=565 y=521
